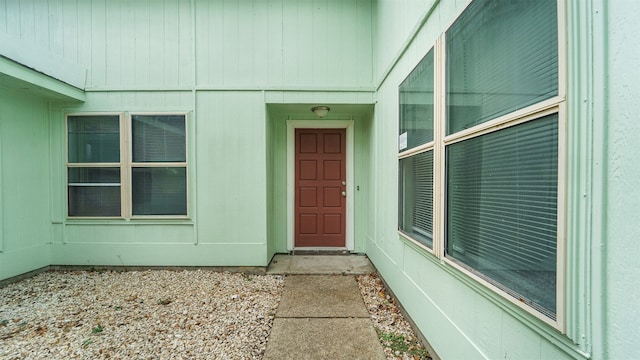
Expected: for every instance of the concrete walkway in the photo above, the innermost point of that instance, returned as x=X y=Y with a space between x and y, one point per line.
x=322 y=314
x=320 y=265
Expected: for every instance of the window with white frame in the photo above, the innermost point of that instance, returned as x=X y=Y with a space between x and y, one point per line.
x=500 y=147
x=126 y=166
x=415 y=218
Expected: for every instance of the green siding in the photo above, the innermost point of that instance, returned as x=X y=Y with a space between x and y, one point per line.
x=602 y=166
x=277 y=185
x=147 y=254
x=25 y=232
x=177 y=44
x=221 y=62
x=620 y=247
x=231 y=168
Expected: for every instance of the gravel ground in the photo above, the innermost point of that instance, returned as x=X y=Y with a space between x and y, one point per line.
x=395 y=333
x=163 y=314
x=157 y=314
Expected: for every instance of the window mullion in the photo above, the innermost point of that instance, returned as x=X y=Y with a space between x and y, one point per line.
x=438 y=148
x=561 y=219
x=125 y=168
x=158 y=164
x=416 y=150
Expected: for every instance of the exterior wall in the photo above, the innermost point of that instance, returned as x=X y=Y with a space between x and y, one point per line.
x=278 y=183
x=231 y=172
x=317 y=44
x=221 y=62
x=391 y=36
x=621 y=134
x=24 y=182
x=460 y=318
x=172 y=44
x=226 y=187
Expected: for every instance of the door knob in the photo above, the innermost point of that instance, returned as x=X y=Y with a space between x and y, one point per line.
x=344 y=193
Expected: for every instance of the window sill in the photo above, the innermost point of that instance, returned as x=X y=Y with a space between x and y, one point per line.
x=120 y=221
x=418 y=246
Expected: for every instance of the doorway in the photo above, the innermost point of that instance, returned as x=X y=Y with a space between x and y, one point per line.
x=320 y=212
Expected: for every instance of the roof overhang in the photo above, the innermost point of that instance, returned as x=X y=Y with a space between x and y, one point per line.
x=38 y=72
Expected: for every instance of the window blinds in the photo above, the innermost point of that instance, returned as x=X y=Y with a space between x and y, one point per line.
x=159 y=138
x=502 y=208
x=159 y=191
x=416 y=197
x=93 y=139
x=501 y=56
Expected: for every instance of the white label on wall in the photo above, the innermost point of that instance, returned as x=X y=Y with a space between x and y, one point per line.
x=402 y=141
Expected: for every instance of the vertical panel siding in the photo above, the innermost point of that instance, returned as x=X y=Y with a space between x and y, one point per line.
x=284 y=43
x=365 y=49
x=231 y=143
x=622 y=166
x=12 y=17
x=25 y=163
x=274 y=41
x=142 y=24
x=234 y=39
x=291 y=46
x=56 y=27
x=27 y=23
x=97 y=31
x=70 y=29
x=261 y=45
x=137 y=44
x=3 y=15
x=84 y=36
x=208 y=34
x=40 y=23
x=111 y=46
x=250 y=44
x=394 y=24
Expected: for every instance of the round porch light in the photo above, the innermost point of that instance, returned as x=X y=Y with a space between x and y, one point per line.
x=320 y=111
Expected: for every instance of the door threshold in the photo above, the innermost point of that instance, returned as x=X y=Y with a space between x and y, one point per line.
x=320 y=251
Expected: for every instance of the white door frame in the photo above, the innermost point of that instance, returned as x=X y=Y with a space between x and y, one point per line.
x=292 y=125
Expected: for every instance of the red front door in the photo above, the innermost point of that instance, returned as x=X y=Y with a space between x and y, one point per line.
x=320 y=187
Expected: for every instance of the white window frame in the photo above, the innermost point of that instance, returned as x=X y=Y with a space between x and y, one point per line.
x=131 y=164
x=555 y=105
x=410 y=153
x=429 y=146
x=126 y=164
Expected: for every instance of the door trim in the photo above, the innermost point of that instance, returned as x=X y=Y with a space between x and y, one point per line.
x=292 y=125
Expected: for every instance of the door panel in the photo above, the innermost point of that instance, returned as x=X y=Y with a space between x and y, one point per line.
x=320 y=168
x=308 y=170
x=332 y=170
x=332 y=197
x=332 y=224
